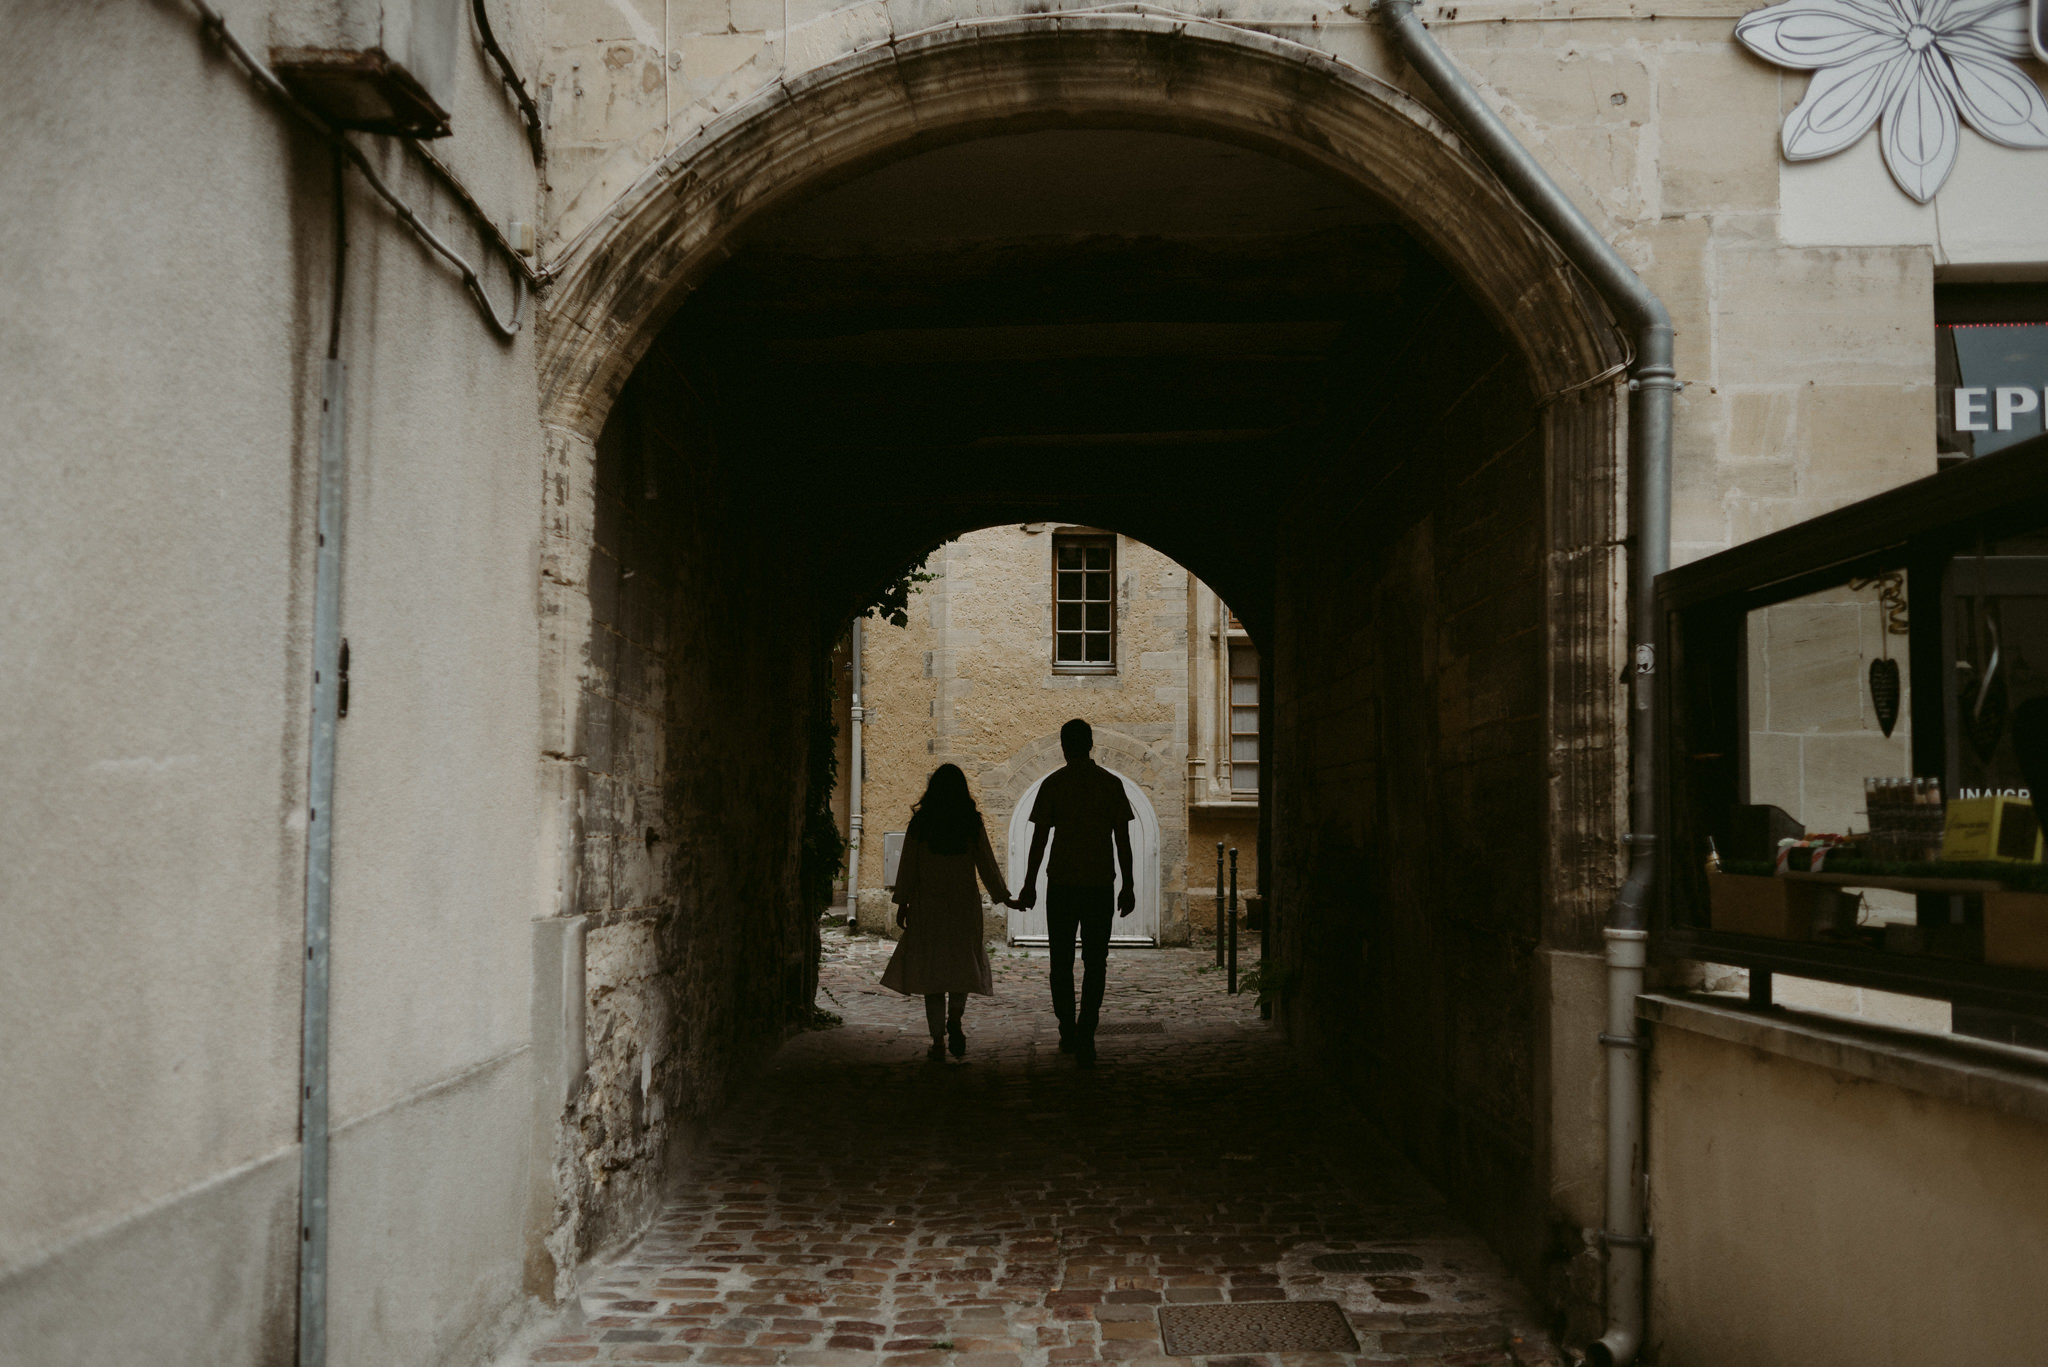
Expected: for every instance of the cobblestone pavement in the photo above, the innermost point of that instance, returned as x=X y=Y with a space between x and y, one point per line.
x=861 y=1207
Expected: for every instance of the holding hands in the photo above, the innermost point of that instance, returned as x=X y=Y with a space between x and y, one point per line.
x=1126 y=902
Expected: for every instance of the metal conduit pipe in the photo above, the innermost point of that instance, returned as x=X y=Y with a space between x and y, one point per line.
x=529 y=113
x=857 y=715
x=1652 y=381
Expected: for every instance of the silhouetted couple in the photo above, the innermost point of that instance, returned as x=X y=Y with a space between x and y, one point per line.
x=942 y=956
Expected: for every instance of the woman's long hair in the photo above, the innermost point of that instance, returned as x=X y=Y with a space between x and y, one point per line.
x=945 y=818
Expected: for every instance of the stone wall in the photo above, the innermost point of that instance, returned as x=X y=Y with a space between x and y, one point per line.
x=694 y=713
x=1411 y=759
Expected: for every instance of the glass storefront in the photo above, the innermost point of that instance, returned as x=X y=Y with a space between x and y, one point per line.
x=1856 y=727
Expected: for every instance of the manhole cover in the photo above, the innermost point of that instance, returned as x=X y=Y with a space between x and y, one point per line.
x=1192 y=1331
x=1132 y=1028
x=1366 y=1262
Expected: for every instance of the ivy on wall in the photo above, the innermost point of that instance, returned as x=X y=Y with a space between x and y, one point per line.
x=892 y=604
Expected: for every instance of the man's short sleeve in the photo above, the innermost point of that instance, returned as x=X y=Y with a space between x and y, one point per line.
x=1045 y=808
x=1119 y=801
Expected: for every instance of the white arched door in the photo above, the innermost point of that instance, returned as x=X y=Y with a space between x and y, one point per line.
x=1141 y=927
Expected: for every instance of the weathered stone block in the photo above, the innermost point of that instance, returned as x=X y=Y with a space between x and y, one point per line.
x=1717 y=131
x=1857 y=316
x=1862 y=439
x=1564 y=87
x=1671 y=255
x=710 y=62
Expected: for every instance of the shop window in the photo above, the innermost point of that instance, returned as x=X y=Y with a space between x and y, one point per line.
x=1991 y=367
x=1084 y=604
x=1244 y=718
x=1857 y=730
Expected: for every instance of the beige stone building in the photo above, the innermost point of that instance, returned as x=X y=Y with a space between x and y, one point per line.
x=422 y=556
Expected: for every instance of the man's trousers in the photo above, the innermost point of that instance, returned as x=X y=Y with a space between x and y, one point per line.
x=1087 y=911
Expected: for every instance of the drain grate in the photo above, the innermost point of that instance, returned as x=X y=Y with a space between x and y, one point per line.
x=1132 y=1028
x=1366 y=1262
x=1191 y=1331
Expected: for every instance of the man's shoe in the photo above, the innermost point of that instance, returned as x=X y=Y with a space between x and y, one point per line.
x=1066 y=1038
x=1084 y=1052
x=956 y=1040
x=937 y=1053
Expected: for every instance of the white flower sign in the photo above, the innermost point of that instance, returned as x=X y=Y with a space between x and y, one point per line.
x=1915 y=66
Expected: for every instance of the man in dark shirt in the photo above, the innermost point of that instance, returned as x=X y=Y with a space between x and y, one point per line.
x=1086 y=805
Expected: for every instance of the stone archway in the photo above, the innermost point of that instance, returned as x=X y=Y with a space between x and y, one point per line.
x=970 y=79
x=1135 y=71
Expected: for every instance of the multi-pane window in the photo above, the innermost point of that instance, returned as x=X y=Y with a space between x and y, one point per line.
x=1244 y=717
x=1084 y=603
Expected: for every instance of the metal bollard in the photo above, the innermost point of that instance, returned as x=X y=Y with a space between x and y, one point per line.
x=1233 y=921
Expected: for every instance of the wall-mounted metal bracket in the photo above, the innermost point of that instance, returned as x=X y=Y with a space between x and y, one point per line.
x=1612 y=1240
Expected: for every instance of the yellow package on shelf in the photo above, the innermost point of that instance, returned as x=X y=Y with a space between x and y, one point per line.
x=1996 y=829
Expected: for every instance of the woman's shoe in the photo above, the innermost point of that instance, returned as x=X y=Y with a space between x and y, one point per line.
x=956 y=1040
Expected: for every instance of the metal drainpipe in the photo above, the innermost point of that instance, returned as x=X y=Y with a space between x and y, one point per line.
x=857 y=715
x=327 y=685
x=319 y=866
x=1652 y=381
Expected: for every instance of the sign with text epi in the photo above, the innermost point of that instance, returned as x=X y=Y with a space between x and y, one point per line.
x=1993 y=409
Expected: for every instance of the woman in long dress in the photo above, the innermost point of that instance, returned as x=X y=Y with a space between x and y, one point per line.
x=941 y=955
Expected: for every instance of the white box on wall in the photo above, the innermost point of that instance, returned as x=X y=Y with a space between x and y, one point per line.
x=387 y=66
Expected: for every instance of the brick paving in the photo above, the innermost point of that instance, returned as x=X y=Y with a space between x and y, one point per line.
x=861 y=1207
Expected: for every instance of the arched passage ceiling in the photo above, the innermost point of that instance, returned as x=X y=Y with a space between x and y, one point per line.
x=1131 y=329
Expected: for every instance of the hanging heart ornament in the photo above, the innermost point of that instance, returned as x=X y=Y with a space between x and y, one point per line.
x=1884 y=693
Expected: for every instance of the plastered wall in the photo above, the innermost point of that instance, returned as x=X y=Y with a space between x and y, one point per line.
x=167 y=295
x=1817 y=1215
